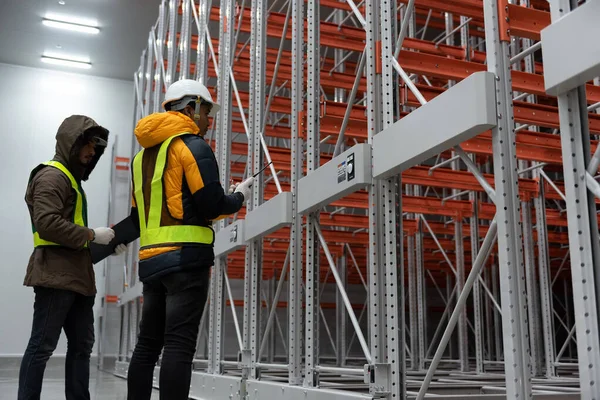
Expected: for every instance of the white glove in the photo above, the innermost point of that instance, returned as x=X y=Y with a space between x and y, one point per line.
x=244 y=188
x=232 y=188
x=103 y=235
x=120 y=249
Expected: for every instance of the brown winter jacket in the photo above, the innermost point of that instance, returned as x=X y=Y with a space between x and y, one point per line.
x=50 y=200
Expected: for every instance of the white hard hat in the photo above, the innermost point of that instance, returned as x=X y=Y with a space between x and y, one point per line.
x=180 y=93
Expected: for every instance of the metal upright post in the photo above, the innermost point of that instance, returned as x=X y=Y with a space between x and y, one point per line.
x=497 y=317
x=311 y=336
x=532 y=285
x=272 y=337
x=412 y=296
x=463 y=347
x=295 y=278
x=583 y=224
x=488 y=316
x=148 y=76
x=421 y=314
x=450 y=300
x=202 y=58
x=160 y=45
x=376 y=231
x=184 y=40
x=386 y=265
x=341 y=314
x=545 y=282
x=253 y=271
x=477 y=310
x=540 y=281
x=463 y=334
x=171 y=50
x=223 y=149
x=514 y=305
x=338 y=54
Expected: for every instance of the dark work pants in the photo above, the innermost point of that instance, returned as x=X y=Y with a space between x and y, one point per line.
x=53 y=311
x=171 y=313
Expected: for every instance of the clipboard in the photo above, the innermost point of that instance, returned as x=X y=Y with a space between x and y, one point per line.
x=126 y=232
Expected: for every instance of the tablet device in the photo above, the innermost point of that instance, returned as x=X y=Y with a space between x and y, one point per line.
x=126 y=232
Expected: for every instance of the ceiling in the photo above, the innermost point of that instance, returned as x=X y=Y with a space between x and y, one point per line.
x=114 y=52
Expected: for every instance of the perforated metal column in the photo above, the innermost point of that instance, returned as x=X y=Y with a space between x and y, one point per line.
x=223 y=151
x=295 y=325
x=583 y=226
x=312 y=157
x=252 y=323
x=512 y=280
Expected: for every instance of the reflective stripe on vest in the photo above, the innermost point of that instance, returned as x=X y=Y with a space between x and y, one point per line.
x=151 y=232
x=79 y=212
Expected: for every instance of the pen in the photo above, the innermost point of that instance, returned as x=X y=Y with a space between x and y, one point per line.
x=262 y=169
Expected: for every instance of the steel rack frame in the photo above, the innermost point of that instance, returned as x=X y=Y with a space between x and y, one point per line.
x=373 y=232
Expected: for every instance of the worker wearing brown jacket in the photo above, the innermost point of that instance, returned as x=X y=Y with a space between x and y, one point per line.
x=60 y=268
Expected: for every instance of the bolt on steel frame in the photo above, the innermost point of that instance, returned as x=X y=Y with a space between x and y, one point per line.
x=357 y=294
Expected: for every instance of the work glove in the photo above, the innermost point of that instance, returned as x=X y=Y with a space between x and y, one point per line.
x=103 y=235
x=244 y=188
x=232 y=188
x=120 y=249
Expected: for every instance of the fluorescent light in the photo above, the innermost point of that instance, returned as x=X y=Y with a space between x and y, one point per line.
x=71 y=24
x=66 y=62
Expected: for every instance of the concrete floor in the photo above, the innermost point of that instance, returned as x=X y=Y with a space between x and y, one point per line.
x=103 y=385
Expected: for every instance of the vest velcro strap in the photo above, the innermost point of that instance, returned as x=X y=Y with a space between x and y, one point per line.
x=177 y=234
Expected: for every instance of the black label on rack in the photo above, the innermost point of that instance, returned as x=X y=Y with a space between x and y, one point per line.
x=350 y=167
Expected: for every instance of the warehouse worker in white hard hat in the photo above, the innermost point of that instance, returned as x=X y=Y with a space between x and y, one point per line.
x=177 y=195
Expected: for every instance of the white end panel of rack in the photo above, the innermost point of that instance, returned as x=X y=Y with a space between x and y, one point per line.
x=462 y=112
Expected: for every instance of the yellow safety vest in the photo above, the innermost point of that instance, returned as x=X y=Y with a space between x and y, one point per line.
x=79 y=216
x=151 y=232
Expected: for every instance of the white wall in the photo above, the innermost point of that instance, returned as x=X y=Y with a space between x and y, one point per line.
x=33 y=103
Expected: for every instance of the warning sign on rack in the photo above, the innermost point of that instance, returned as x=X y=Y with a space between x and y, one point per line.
x=341 y=172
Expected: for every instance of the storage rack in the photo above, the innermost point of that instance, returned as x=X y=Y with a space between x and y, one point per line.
x=455 y=213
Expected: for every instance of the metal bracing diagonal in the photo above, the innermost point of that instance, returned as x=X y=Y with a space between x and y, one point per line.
x=441 y=248
x=445 y=301
x=357 y=13
x=273 y=311
x=279 y=329
x=342 y=290
x=233 y=312
x=362 y=279
x=482 y=256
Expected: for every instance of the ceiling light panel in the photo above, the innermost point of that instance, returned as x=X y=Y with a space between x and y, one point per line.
x=66 y=62
x=71 y=23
